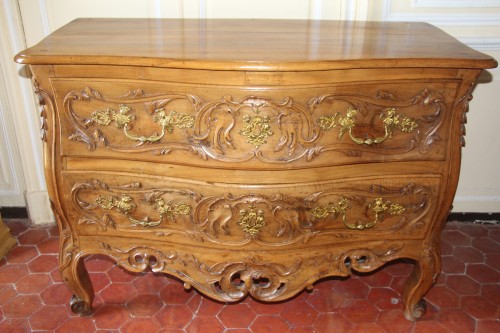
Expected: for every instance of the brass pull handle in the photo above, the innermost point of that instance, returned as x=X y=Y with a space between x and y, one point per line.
x=390 y=119
x=125 y=205
x=152 y=138
x=123 y=120
x=164 y=209
x=378 y=206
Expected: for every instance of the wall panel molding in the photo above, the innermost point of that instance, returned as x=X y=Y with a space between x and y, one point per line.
x=450 y=19
x=20 y=97
x=455 y=3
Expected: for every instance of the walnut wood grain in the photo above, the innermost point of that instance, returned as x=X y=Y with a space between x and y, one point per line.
x=252 y=157
x=253 y=45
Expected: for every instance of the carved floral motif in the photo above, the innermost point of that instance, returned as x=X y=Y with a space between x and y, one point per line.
x=273 y=131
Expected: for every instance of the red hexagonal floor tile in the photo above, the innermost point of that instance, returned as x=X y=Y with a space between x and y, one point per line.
x=207 y=306
x=446 y=248
x=44 y=263
x=468 y=254
x=98 y=263
x=111 y=316
x=33 y=283
x=21 y=254
x=486 y=245
x=56 y=293
x=262 y=308
x=463 y=285
x=493 y=260
x=137 y=325
x=205 y=324
x=151 y=283
x=33 y=236
x=174 y=316
x=14 y=326
x=144 y=305
x=473 y=230
x=379 y=278
x=55 y=275
x=49 y=246
x=360 y=311
x=7 y=292
x=367 y=328
x=77 y=325
x=480 y=307
x=399 y=268
x=119 y=292
x=119 y=274
x=457 y=321
x=327 y=302
x=488 y=326
x=174 y=293
x=491 y=292
x=352 y=288
x=429 y=327
x=269 y=324
x=452 y=265
x=299 y=313
x=22 y=306
x=384 y=298
x=13 y=273
x=17 y=226
x=394 y=321
x=483 y=273
x=237 y=315
x=99 y=281
x=443 y=297
x=331 y=322
x=48 y=317
x=456 y=238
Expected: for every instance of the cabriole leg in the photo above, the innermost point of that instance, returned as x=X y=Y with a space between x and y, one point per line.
x=77 y=279
x=423 y=277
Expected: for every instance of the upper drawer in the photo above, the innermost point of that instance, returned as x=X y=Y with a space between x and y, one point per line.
x=271 y=127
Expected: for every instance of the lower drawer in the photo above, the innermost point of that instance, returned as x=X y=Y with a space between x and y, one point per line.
x=183 y=211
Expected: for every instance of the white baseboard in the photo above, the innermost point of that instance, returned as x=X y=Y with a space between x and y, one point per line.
x=38 y=206
x=483 y=204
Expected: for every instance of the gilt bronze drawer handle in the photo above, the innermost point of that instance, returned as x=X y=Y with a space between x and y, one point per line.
x=125 y=204
x=123 y=120
x=378 y=206
x=390 y=119
x=165 y=209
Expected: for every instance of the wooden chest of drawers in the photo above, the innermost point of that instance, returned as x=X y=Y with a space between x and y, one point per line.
x=252 y=157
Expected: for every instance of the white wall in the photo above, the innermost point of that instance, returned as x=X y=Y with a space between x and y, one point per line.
x=475 y=22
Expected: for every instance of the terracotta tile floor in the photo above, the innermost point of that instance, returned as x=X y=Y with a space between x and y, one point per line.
x=465 y=299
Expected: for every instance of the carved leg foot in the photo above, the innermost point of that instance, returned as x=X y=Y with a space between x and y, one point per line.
x=79 y=306
x=77 y=279
x=422 y=278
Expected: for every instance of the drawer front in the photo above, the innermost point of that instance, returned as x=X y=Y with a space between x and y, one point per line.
x=327 y=212
x=265 y=127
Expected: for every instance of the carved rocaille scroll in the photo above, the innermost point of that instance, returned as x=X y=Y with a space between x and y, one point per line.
x=276 y=220
x=255 y=127
x=262 y=279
